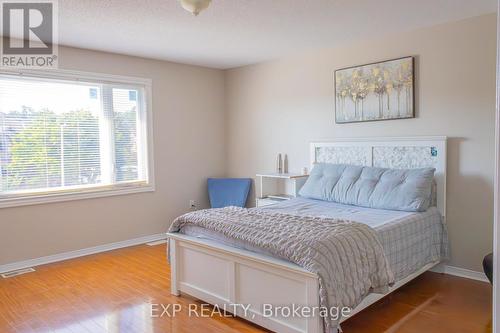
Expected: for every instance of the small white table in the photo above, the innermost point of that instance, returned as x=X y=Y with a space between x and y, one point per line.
x=276 y=187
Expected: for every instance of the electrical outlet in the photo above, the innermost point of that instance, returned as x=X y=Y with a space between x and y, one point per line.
x=192 y=204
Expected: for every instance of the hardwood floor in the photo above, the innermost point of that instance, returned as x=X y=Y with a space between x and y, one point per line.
x=113 y=292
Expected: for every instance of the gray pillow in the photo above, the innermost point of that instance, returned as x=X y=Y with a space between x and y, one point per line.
x=396 y=189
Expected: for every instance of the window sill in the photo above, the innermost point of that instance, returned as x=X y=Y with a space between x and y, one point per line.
x=91 y=193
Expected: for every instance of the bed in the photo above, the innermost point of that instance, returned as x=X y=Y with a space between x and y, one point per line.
x=225 y=271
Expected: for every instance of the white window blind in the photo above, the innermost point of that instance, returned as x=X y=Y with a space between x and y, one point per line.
x=68 y=135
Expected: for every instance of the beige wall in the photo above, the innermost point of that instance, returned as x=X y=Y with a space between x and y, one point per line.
x=188 y=117
x=283 y=105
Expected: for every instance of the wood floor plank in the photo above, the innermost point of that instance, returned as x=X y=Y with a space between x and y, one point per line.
x=114 y=291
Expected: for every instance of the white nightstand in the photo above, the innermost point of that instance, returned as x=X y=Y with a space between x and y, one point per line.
x=276 y=187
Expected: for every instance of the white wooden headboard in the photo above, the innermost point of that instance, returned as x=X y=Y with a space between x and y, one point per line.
x=397 y=153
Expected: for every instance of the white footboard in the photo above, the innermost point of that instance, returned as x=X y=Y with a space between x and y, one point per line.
x=226 y=276
x=222 y=275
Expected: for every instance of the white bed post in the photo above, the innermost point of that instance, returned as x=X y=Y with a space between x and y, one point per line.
x=314 y=324
x=174 y=269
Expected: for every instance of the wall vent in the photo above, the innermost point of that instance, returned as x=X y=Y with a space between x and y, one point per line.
x=17 y=272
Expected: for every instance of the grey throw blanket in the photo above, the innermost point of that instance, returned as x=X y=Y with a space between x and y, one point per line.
x=347 y=256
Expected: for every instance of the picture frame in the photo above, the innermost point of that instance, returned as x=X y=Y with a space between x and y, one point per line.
x=383 y=90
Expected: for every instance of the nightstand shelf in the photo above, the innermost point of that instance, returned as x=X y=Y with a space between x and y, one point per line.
x=277 y=187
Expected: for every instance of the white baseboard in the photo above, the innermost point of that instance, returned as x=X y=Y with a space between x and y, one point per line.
x=462 y=272
x=79 y=253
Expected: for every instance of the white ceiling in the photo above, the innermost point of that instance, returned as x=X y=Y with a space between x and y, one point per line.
x=232 y=33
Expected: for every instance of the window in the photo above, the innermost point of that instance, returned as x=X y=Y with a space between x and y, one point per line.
x=63 y=135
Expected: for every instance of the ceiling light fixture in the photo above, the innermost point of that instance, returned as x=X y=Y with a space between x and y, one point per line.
x=195 y=6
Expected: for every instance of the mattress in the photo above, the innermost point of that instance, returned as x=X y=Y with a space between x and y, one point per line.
x=410 y=240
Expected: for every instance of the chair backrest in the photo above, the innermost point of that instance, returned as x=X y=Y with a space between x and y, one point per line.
x=225 y=192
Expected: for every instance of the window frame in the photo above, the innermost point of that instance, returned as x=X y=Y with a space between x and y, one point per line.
x=93 y=191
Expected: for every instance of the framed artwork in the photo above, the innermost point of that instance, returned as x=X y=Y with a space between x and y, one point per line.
x=379 y=91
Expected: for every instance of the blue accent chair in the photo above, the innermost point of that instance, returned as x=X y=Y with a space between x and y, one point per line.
x=225 y=192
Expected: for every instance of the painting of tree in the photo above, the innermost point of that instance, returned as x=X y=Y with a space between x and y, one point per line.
x=378 y=91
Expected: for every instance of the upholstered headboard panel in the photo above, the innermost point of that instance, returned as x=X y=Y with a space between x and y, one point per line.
x=396 y=153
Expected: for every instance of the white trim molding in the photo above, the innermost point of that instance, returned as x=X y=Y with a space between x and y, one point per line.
x=89 y=193
x=461 y=272
x=76 y=75
x=80 y=253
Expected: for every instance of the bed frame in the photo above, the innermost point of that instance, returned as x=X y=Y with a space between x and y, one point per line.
x=224 y=276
